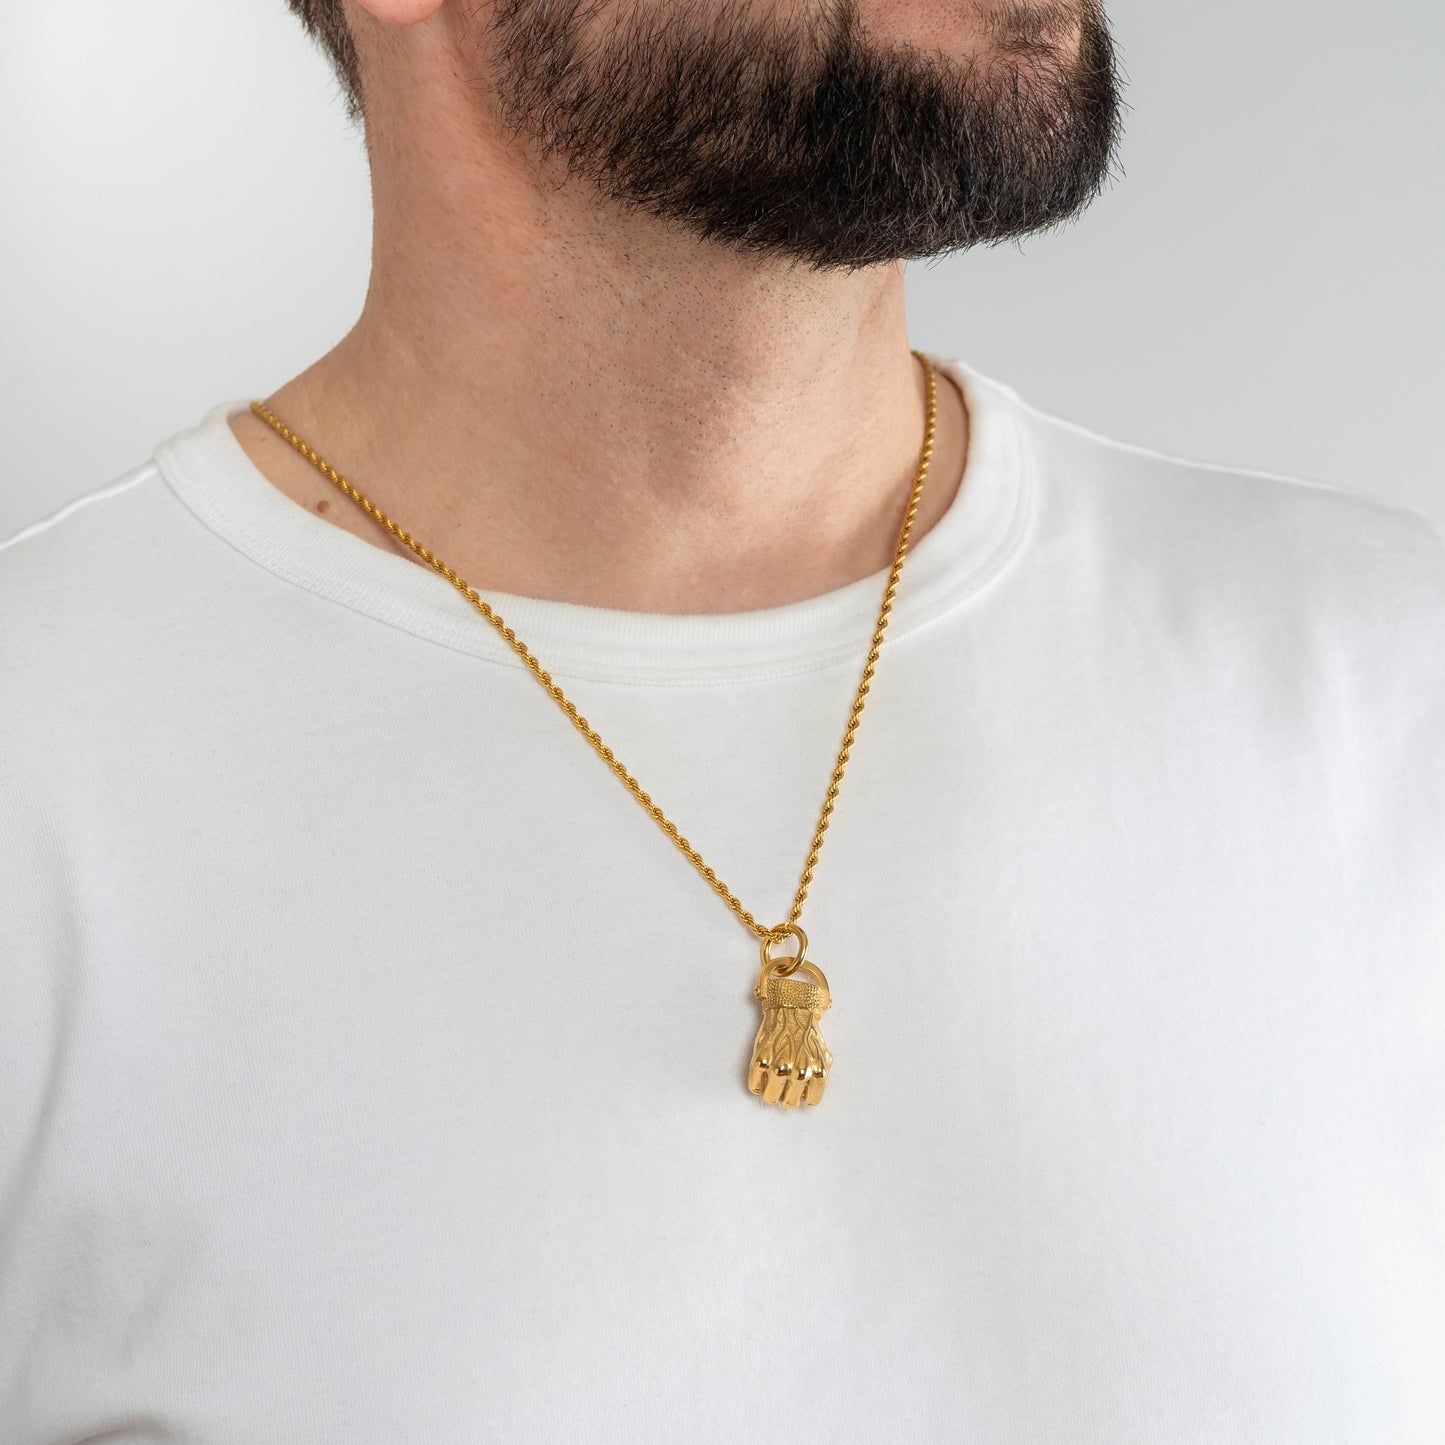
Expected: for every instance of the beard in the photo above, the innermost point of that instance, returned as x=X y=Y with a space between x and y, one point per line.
x=799 y=138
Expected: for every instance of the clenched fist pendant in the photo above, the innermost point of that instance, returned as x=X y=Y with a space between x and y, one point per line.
x=790 y=1061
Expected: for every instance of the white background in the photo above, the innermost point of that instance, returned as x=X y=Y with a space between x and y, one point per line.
x=186 y=219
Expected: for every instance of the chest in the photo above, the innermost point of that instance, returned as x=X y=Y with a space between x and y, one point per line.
x=401 y=1089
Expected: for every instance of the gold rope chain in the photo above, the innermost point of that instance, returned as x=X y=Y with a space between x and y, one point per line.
x=585 y=728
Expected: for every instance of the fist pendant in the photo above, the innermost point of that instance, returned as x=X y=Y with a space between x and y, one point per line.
x=790 y=1060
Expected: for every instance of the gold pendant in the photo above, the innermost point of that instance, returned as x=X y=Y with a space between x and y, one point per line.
x=790 y=1060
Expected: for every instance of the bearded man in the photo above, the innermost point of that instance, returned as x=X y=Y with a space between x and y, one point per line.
x=473 y=969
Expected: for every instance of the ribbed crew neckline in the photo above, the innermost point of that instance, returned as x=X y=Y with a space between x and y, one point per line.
x=982 y=529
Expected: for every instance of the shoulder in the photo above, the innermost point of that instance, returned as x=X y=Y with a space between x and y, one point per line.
x=1303 y=605
x=90 y=535
x=1193 y=533
x=87 y=596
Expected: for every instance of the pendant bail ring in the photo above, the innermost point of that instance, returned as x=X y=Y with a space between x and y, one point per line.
x=785 y=964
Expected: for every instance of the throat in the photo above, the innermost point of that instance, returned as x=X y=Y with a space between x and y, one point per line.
x=594 y=543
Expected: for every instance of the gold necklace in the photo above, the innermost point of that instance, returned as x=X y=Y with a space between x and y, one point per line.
x=790 y=1064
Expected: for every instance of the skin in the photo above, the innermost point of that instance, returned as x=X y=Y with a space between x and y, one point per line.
x=570 y=401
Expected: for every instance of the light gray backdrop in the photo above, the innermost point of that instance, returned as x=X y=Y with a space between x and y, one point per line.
x=186 y=218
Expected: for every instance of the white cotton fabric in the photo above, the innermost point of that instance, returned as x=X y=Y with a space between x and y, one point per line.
x=372 y=1065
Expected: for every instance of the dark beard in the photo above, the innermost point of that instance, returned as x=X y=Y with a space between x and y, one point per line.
x=803 y=141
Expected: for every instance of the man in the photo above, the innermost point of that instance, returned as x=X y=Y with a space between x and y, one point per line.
x=376 y=1068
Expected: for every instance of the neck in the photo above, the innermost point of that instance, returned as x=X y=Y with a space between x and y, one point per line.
x=567 y=403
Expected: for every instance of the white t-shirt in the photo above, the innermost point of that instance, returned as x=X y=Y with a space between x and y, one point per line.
x=372 y=1066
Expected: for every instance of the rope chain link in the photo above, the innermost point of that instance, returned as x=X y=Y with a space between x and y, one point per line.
x=585 y=728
